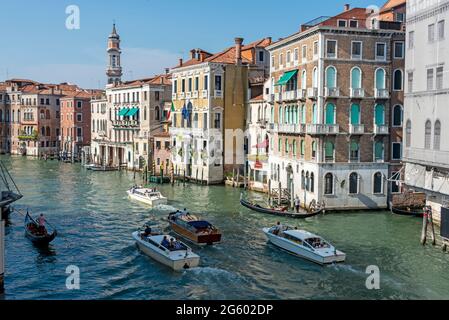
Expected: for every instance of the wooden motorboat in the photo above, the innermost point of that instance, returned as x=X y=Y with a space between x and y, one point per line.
x=192 y=228
x=282 y=212
x=39 y=236
x=304 y=244
x=102 y=168
x=409 y=211
x=178 y=258
x=152 y=197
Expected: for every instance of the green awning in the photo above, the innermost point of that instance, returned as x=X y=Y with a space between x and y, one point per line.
x=123 y=112
x=132 y=112
x=286 y=77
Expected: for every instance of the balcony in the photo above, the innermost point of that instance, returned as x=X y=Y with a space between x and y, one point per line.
x=322 y=129
x=181 y=95
x=125 y=124
x=301 y=95
x=289 y=95
x=312 y=93
x=271 y=98
x=204 y=94
x=289 y=128
x=278 y=97
x=356 y=129
x=218 y=94
x=188 y=95
x=381 y=94
x=381 y=130
x=331 y=92
x=195 y=95
x=427 y=157
x=357 y=93
x=79 y=139
x=174 y=96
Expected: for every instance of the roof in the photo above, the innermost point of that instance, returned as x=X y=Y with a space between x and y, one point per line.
x=391 y=4
x=162 y=79
x=359 y=14
x=162 y=135
x=257 y=99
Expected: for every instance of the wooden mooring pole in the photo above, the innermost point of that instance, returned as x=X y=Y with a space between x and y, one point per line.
x=428 y=220
x=2 y=256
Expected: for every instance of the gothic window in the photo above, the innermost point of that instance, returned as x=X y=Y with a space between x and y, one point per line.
x=378 y=183
x=428 y=135
x=437 y=135
x=354 y=183
x=329 y=184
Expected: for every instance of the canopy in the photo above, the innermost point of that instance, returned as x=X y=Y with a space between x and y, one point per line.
x=123 y=112
x=199 y=224
x=132 y=112
x=286 y=77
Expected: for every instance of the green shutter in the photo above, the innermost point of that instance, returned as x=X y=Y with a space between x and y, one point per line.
x=356 y=78
x=380 y=115
x=315 y=114
x=329 y=150
x=379 y=150
x=330 y=77
x=330 y=114
x=355 y=114
x=380 y=79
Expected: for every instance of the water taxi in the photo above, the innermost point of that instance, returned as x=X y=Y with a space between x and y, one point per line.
x=304 y=244
x=148 y=196
x=194 y=229
x=166 y=250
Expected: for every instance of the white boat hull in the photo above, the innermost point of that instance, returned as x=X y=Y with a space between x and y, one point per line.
x=146 y=200
x=178 y=261
x=322 y=258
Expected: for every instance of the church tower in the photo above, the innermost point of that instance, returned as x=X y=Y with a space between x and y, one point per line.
x=114 y=71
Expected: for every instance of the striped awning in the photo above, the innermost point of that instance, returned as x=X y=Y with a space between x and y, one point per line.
x=132 y=112
x=123 y=112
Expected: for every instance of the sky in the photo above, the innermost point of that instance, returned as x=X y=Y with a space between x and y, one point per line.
x=37 y=45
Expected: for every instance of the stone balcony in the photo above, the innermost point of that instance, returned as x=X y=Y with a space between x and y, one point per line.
x=312 y=93
x=218 y=94
x=356 y=129
x=289 y=128
x=204 y=94
x=381 y=94
x=357 y=93
x=126 y=124
x=381 y=130
x=322 y=129
x=331 y=92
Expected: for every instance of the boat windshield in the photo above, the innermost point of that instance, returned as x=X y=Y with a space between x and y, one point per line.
x=317 y=243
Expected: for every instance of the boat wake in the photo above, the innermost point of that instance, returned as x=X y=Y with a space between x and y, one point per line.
x=215 y=272
x=165 y=207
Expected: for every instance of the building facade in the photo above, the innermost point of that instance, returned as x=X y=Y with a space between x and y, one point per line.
x=427 y=95
x=331 y=94
x=210 y=95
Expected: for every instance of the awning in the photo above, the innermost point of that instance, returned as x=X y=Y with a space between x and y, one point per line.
x=132 y=112
x=123 y=112
x=286 y=77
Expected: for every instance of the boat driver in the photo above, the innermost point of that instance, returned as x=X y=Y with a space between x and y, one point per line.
x=165 y=243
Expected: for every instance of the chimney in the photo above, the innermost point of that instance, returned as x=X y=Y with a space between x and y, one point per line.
x=202 y=55
x=193 y=54
x=238 y=50
x=180 y=62
x=270 y=40
x=347 y=7
x=167 y=70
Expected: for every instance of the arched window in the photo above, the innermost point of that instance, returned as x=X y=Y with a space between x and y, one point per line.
x=428 y=135
x=303 y=180
x=280 y=145
x=47 y=114
x=43 y=131
x=307 y=181
x=303 y=114
x=379 y=151
x=93 y=125
x=330 y=113
x=331 y=77
x=286 y=114
x=304 y=79
x=380 y=79
x=312 y=182
x=48 y=132
x=145 y=114
x=315 y=78
x=379 y=111
x=313 y=149
x=287 y=146
x=294 y=148
x=280 y=115
x=329 y=184
x=356 y=78
x=437 y=135
x=158 y=113
x=397 y=116
x=397 y=80
x=378 y=183
x=303 y=148
x=354 y=183
x=354 y=151
x=329 y=150
x=355 y=114
x=408 y=134
x=314 y=114
x=195 y=120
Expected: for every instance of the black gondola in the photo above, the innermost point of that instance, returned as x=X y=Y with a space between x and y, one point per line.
x=36 y=235
x=286 y=214
x=411 y=212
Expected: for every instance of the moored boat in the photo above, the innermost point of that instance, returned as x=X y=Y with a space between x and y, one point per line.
x=37 y=234
x=152 y=197
x=102 y=168
x=178 y=257
x=192 y=228
x=409 y=211
x=304 y=244
x=282 y=212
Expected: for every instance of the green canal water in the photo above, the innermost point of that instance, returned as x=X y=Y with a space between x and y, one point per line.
x=95 y=221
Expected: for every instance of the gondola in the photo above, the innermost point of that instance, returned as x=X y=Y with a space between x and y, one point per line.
x=303 y=215
x=411 y=212
x=36 y=236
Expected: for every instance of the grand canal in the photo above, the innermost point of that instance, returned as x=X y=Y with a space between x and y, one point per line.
x=95 y=221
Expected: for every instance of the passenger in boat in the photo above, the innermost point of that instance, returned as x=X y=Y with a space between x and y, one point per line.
x=147 y=231
x=165 y=243
x=278 y=229
x=41 y=221
x=297 y=204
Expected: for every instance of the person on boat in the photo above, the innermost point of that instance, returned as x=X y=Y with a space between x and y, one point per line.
x=165 y=243
x=297 y=204
x=147 y=231
x=41 y=221
x=278 y=229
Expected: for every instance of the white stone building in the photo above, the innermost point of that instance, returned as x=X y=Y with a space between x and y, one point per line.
x=426 y=117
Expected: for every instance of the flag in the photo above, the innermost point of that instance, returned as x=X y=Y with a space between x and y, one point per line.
x=171 y=111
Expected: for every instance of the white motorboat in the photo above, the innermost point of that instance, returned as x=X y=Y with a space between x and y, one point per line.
x=151 y=197
x=304 y=244
x=179 y=258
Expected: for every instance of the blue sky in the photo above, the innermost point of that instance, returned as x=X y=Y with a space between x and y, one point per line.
x=155 y=33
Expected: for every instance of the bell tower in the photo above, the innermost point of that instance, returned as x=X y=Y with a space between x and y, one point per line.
x=114 y=71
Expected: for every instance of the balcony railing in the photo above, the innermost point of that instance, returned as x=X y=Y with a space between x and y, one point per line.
x=381 y=130
x=195 y=95
x=302 y=93
x=357 y=93
x=218 y=94
x=181 y=95
x=271 y=98
x=322 y=129
x=126 y=124
x=312 y=93
x=356 y=129
x=278 y=97
x=289 y=128
x=204 y=94
x=79 y=139
x=332 y=92
x=289 y=95
x=188 y=95
x=174 y=96
x=381 y=94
